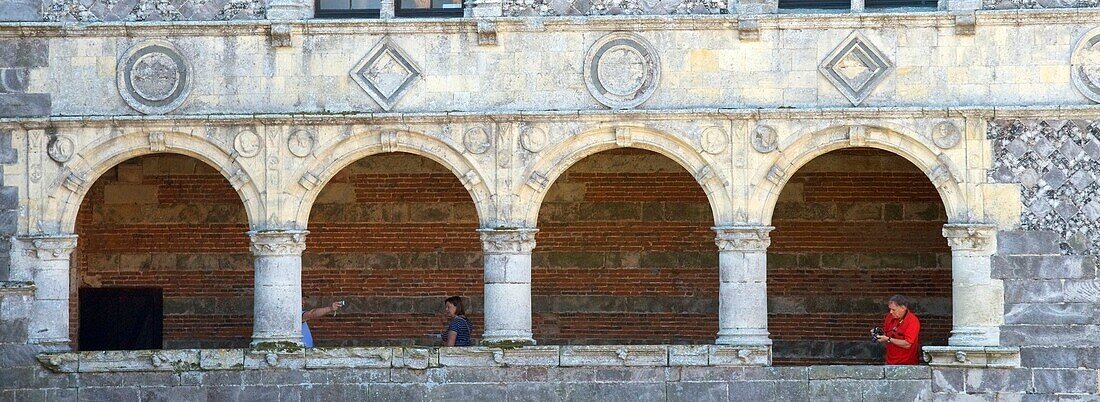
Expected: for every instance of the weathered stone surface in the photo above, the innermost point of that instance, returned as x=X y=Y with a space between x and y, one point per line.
x=908 y=372
x=1052 y=313
x=722 y=355
x=140 y=360
x=415 y=358
x=26 y=53
x=972 y=356
x=698 y=391
x=25 y=105
x=1036 y=291
x=1028 y=242
x=349 y=357
x=221 y=359
x=1082 y=291
x=846 y=372
x=998 y=380
x=1043 y=267
x=628 y=355
x=614 y=392
x=274 y=359
x=688 y=355
x=1065 y=381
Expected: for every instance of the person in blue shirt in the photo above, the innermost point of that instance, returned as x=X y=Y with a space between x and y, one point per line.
x=307 y=337
x=458 y=330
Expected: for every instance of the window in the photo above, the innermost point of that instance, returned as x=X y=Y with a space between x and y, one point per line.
x=899 y=3
x=428 y=8
x=347 y=8
x=817 y=4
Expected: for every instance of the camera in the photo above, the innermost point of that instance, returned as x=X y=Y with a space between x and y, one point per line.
x=875 y=333
x=341 y=303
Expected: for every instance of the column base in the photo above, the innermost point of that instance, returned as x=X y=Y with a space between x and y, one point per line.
x=504 y=340
x=972 y=356
x=744 y=337
x=277 y=344
x=975 y=336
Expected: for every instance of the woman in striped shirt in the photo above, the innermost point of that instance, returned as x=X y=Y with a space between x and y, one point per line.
x=458 y=331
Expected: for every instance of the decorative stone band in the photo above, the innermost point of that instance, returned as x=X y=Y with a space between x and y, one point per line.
x=404 y=357
x=50 y=247
x=971 y=238
x=742 y=238
x=972 y=356
x=278 y=242
x=508 y=241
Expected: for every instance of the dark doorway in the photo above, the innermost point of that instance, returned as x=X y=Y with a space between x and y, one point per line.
x=120 y=318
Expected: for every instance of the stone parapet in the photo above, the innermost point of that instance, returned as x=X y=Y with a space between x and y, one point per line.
x=983 y=357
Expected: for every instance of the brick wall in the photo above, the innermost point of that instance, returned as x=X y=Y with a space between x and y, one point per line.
x=172 y=222
x=852 y=228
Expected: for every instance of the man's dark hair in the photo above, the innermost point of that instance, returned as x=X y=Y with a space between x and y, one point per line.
x=900 y=300
x=456 y=301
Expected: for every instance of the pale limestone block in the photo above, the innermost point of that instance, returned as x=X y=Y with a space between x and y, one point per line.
x=60 y=362
x=415 y=358
x=275 y=359
x=139 y=360
x=532 y=356
x=614 y=355
x=721 y=355
x=688 y=355
x=471 y=356
x=351 y=357
x=221 y=359
x=978 y=357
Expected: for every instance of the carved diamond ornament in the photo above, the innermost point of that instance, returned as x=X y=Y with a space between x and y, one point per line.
x=855 y=68
x=386 y=73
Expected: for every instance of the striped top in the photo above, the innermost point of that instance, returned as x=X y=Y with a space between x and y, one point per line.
x=461 y=327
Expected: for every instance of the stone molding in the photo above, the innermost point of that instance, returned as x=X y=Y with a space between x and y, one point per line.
x=507 y=241
x=971 y=238
x=743 y=238
x=974 y=356
x=278 y=243
x=50 y=248
x=416 y=358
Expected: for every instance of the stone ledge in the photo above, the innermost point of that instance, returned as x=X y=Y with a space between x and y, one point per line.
x=16 y=287
x=405 y=357
x=972 y=356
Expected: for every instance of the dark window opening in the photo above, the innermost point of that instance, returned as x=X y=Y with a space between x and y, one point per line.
x=121 y=318
x=816 y=4
x=899 y=3
x=428 y=8
x=347 y=8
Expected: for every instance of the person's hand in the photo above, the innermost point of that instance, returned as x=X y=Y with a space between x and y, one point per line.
x=335 y=306
x=883 y=338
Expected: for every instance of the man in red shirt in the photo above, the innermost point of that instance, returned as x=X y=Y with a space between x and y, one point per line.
x=901 y=329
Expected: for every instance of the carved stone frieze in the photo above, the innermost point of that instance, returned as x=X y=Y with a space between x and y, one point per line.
x=743 y=238
x=507 y=241
x=971 y=237
x=714 y=140
x=612 y=7
x=278 y=242
x=1085 y=65
x=1029 y=4
x=154 y=77
x=622 y=70
x=152 y=10
x=946 y=135
x=764 y=139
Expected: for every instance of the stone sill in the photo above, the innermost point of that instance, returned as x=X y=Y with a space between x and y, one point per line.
x=16 y=287
x=972 y=356
x=405 y=357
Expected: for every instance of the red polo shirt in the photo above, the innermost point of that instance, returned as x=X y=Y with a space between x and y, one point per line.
x=907 y=328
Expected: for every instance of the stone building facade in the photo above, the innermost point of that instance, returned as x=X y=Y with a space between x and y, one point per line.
x=668 y=200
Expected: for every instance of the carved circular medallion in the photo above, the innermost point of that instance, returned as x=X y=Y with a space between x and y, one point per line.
x=60 y=149
x=946 y=135
x=533 y=139
x=477 y=140
x=301 y=143
x=1085 y=65
x=764 y=139
x=247 y=143
x=153 y=78
x=621 y=70
x=714 y=140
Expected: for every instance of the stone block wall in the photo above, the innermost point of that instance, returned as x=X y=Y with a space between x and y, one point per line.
x=172 y=222
x=852 y=228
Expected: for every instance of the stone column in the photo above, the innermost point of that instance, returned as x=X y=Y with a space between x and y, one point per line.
x=977 y=300
x=743 y=290
x=289 y=9
x=47 y=260
x=277 y=314
x=507 y=256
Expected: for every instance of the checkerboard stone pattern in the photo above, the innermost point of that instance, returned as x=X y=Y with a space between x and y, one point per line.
x=1057 y=163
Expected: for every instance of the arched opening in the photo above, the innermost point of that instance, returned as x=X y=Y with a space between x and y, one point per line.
x=393 y=235
x=853 y=227
x=625 y=254
x=162 y=259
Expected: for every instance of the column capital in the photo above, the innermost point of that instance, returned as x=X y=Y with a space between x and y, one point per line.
x=508 y=241
x=50 y=247
x=976 y=238
x=742 y=238
x=278 y=242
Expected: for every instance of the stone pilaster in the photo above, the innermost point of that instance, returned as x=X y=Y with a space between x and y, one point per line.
x=289 y=9
x=507 y=285
x=977 y=300
x=743 y=293
x=277 y=257
x=47 y=262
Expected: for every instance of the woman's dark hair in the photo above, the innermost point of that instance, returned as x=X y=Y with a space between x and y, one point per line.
x=900 y=300
x=460 y=309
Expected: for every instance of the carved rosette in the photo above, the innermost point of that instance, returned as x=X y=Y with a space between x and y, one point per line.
x=621 y=70
x=278 y=242
x=743 y=238
x=973 y=238
x=507 y=241
x=51 y=248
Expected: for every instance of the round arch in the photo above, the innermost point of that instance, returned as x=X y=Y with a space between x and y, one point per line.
x=547 y=169
x=344 y=152
x=935 y=165
x=97 y=158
